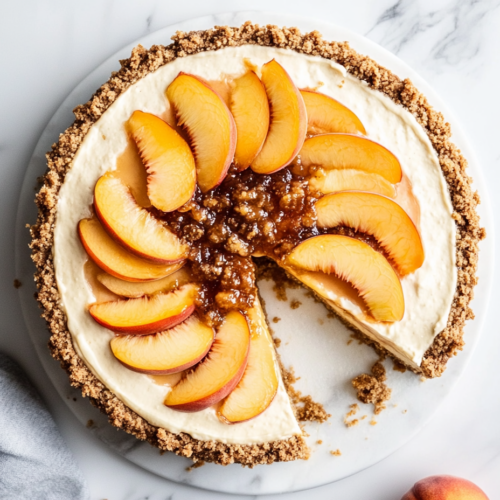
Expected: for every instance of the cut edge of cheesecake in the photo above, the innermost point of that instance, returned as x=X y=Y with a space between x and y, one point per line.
x=141 y=63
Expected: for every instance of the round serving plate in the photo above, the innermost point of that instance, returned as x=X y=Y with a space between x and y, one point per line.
x=318 y=347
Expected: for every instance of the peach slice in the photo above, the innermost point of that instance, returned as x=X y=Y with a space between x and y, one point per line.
x=332 y=181
x=147 y=314
x=133 y=226
x=357 y=263
x=219 y=373
x=250 y=109
x=380 y=217
x=287 y=129
x=114 y=259
x=259 y=383
x=326 y=115
x=166 y=352
x=169 y=163
x=135 y=290
x=209 y=124
x=346 y=151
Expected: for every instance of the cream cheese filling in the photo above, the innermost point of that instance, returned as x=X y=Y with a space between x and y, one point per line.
x=428 y=292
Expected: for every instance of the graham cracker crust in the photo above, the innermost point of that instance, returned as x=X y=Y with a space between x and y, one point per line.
x=141 y=63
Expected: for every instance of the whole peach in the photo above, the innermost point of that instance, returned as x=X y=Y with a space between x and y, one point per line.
x=445 y=488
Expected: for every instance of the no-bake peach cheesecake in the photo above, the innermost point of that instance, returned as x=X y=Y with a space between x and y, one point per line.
x=198 y=161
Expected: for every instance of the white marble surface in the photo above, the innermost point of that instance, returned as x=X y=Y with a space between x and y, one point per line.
x=451 y=44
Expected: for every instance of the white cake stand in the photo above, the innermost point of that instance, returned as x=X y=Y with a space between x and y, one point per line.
x=315 y=345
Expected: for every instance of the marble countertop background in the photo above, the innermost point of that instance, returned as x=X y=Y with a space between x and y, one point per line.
x=48 y=47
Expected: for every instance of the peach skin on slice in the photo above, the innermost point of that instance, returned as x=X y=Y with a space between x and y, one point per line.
x=445 y=488
x=287 y=129
x=219 y=373
x=169 y=162
x=135 y=290
x=357 y=263
x=114 y=259
x=133 y=226
x=380 y=217
x=259 y=383
x=346 y=151
x=332 y=181
x=166 y=352
x=326 y=115
x=250 y=109
x=209 y=124
x=147 y=314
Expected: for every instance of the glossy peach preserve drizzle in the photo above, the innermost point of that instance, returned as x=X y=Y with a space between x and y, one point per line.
x=248 y=215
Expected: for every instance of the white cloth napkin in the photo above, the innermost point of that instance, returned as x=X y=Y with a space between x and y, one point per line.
x=35 y=463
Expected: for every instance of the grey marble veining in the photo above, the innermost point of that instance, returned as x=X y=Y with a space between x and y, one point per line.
x=445 y=33
x=452 y=44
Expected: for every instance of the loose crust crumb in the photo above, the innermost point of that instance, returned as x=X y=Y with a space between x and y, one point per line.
x=398 y=367
x=17 y=283
x=196 y=465
x=372 y=388
x=143 y=62
x=336 y=453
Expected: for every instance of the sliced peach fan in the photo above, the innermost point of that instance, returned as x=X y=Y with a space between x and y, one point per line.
x=250 y=109
x=326 y=115
x=167 y=158
x=115 y=260
x=215 y=378
x=209 y=124
x=133 y=226
x=147 y=314
x=346 y=151
x=288 y=125
x=166 y=352
x=380 y=217
x=357 y=263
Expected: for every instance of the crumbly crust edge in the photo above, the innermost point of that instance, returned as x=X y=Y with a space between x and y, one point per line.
x=141 y=63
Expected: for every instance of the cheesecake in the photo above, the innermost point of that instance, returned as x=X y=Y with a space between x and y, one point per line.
x=230 y=149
